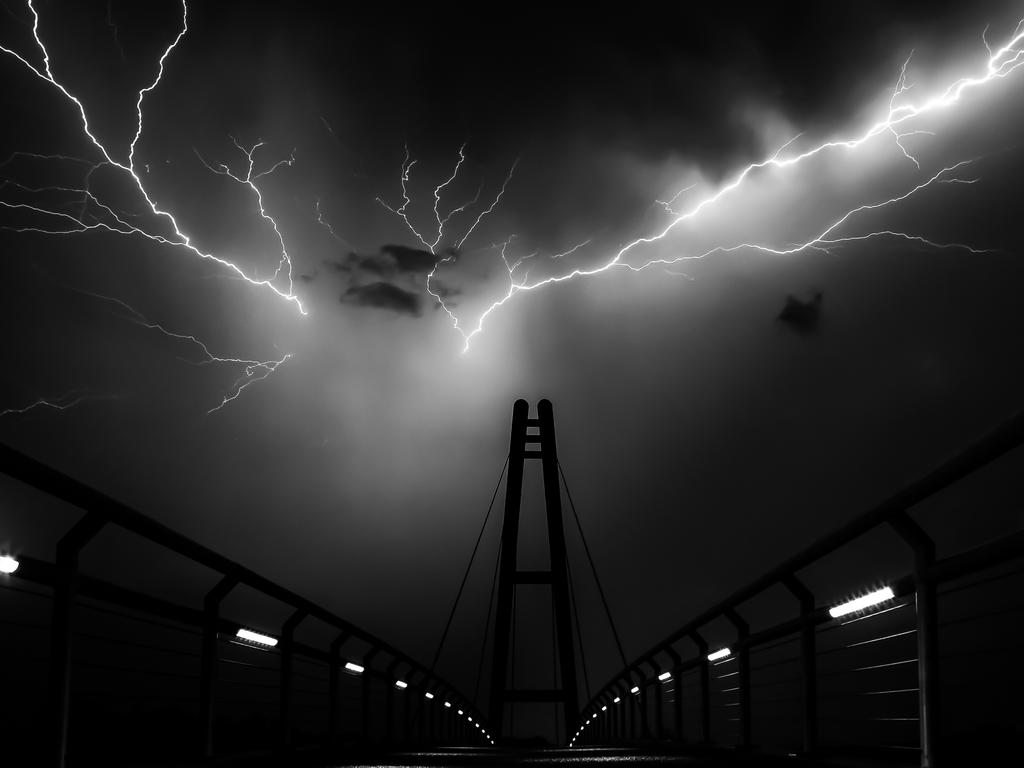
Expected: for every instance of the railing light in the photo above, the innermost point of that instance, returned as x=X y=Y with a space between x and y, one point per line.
x=428 y=695
x=616 y=700
x=8 y=564
x=604 y=708
x=353 y=667
x=448 y=704
x=721 y=653
x=635 y=689
x=460 y=712
x=256 y=637
x=401 y=684
x=862 y=602
x=664 y=676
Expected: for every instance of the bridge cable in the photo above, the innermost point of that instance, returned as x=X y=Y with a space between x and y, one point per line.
x=465 y=576
x=593 y=567
x=487 y=626
x=579 y=633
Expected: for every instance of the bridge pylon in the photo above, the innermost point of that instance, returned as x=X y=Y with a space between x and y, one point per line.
x=533 y=439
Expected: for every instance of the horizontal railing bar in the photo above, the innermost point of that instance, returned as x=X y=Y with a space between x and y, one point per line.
x=1001 y=440
x=61 y=486
x=982 y=557
x=41 y=572
x=58 y=485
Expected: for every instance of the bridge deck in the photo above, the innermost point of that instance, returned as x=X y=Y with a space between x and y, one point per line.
x=658 y=756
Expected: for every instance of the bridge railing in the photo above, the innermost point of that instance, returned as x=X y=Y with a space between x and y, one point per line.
x=382 y=679
x=869 y=668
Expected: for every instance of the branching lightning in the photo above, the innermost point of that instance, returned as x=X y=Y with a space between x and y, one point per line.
x=897 y=122
x=95 y=215
x=252 y=370
x=78 y=209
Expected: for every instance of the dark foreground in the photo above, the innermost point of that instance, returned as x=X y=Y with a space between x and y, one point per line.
x=603 y=757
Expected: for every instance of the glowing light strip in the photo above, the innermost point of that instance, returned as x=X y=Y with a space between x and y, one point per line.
x=862 y=602
x=256 y=637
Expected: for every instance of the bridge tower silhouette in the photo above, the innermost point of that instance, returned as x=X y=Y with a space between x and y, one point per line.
x=527 y=432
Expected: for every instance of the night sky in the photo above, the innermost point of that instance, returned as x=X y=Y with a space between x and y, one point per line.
x=347 y=438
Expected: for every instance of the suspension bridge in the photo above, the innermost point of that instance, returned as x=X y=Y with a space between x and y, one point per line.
x=917 y=666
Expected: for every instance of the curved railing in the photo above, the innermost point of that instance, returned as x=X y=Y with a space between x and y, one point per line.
x=818 y=638
x=433 y=711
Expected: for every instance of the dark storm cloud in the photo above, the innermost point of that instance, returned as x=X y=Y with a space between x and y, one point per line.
x=389 y=260
x=390 y=264
x=801 y=315
x=405 y=259
x=383 y=295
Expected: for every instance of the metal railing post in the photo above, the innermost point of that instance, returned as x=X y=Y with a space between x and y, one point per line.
x=65 y=583
x=209 y=658
x=412 y=690
x=364 y=698
x=659 y=702
x=645 y=728
x=389 y=702
x=334 y=685
x=705 y=686
x=926 y=601
x=677 y=701
x=808 y=662
x=434 y=733
x=743 y=662
x=623 y=706
x=285 y=686
x=633 y=702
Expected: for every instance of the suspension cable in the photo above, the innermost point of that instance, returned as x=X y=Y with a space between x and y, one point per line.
x=579 y=633
x=465 y=576
x=487 y=626
x=593 y=567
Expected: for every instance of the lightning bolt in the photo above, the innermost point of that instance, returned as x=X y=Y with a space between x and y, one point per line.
x=252 y=370
x=407 y=165
x=62 y=403
x=249 y=180
x=1002 y=62
x=327 y=225
x=452 y=253
x=95 y=215
x=400 y=211
x=667 y=204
